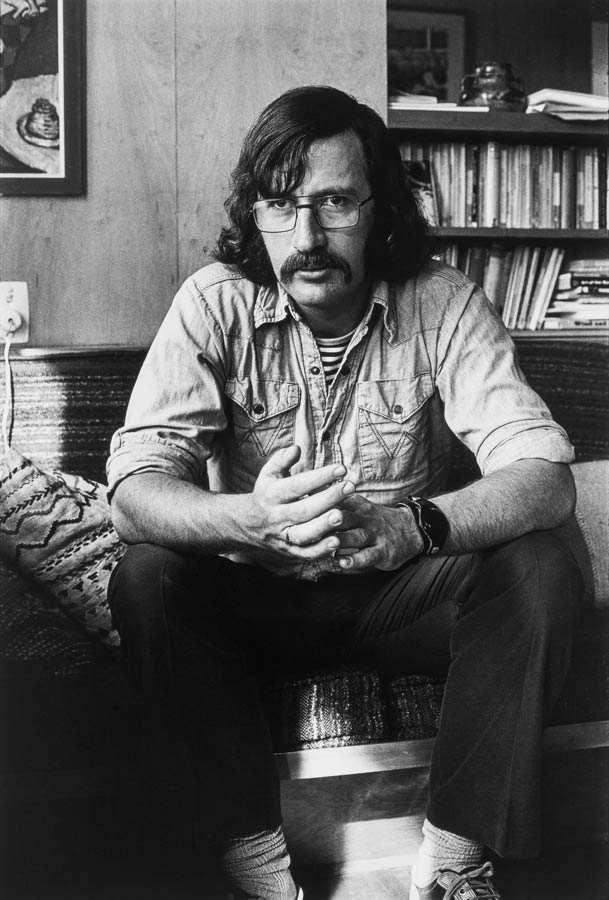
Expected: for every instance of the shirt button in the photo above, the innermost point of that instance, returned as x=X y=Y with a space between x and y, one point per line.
x=315 y=370
x=398 y=409
x=258 y=408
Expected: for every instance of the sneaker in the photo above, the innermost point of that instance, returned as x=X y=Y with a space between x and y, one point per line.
x=471 y=883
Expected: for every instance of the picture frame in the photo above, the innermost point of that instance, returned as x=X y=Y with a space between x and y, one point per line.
x=42 y=98
x=426 y=53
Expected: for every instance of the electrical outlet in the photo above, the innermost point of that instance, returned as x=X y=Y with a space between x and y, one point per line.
x=14 y=312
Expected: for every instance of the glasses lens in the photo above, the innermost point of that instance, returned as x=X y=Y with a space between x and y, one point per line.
x=274 y=215
x=337 y=211
x=331 y=211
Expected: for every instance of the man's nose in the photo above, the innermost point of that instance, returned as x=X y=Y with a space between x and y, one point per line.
x=308 y=233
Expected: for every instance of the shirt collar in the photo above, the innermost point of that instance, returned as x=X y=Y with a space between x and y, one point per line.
x=273 y=304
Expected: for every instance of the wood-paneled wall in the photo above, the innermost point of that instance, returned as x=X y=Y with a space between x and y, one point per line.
x=171 y=89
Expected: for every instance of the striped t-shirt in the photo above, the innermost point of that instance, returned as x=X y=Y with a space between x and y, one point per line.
x=332 y=351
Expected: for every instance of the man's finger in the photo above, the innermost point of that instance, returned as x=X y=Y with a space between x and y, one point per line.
x=315 y=505
x=279 y=463
x=359 y=561
x=288 y=489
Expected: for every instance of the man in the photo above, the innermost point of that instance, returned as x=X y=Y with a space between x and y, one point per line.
x=282 y=478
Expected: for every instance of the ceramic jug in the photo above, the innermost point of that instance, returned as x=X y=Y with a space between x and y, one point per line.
x=493 y=85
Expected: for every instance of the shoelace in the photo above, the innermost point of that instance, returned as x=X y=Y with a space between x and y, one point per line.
x=477 y=881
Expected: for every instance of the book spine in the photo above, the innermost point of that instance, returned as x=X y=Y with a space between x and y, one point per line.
x=589 y=281
x=461 y=178
x=504 y=153
x=470 y=179
x=509 y=291
x=567 y=188
x=477 y=263
x=492 y=274
x=519 y=284
x=579 y=188
x=539 y=288
x=556 y=187
x=595 y=188
x=526 y=189
x=491 y=196
x=588 y=216
x=602 y=188
x=537 y=187
x=506 y=269
x=444 y=163
x=558 y=254
x=528 y=288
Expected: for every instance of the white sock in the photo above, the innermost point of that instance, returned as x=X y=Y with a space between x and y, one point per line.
x=443 y=850
x=258 y=866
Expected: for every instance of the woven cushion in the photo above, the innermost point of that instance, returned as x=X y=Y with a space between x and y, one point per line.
x=37 y=639
x=333 y=709
x=415 y=703
x=56 y=530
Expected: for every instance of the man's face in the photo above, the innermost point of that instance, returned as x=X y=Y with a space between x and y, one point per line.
x=324 y=271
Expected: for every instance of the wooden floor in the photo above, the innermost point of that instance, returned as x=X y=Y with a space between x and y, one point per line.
x=575 y=874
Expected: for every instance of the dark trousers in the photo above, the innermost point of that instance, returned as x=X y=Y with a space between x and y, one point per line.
x=200 y=633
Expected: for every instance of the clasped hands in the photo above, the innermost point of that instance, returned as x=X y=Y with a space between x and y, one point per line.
x=317 y=514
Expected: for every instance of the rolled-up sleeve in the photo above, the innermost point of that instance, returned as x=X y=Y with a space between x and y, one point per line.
x=488 y=402
x=177 y=404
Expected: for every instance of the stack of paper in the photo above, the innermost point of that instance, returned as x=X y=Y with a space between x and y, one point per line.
x=403 y=100
x=569 y=105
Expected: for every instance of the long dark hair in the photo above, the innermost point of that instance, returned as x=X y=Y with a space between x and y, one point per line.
x=273 y=161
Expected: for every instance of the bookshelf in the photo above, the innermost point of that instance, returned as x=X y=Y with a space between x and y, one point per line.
x=543 y=138
x=510 y=126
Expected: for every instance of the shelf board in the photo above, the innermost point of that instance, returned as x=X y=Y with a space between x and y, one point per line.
x=528 y=234
x=594 y=333
x=513 y=127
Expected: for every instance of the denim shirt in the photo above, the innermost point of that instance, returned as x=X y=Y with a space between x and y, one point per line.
x=234 y=374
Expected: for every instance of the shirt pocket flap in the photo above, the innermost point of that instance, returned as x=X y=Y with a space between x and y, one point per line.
x=265 y=400
x=396 y=400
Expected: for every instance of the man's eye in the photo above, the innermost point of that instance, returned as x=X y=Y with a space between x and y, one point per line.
x=334 y=201
x=279 y=204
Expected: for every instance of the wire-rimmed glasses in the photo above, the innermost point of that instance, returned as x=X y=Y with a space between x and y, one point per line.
x=331 y=211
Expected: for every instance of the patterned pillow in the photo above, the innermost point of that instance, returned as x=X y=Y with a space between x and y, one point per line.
x=56 y=530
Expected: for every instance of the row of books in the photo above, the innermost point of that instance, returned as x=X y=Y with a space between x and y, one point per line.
x=526 y=284
x=496 y=185
x=581 y=297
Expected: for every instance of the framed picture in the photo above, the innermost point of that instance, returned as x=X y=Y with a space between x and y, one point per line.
x=425 y=53
x=42 y=96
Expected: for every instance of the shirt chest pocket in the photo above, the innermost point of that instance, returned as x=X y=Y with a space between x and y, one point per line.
x=262 y=415
x=391 y=426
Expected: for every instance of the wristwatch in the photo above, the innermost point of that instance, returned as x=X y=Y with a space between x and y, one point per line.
x=432 y=523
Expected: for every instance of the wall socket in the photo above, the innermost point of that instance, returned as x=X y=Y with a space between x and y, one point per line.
x=14 y=312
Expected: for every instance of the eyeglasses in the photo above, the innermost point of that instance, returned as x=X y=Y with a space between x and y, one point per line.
x=331 y=211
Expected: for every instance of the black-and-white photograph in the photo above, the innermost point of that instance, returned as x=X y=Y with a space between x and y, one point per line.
x=304 y=477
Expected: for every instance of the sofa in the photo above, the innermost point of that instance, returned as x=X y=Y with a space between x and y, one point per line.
x=70 y=740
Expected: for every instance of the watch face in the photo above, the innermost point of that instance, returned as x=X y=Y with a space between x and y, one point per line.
x=435 y=525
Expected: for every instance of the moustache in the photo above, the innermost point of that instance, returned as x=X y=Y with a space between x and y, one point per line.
x=318 y=259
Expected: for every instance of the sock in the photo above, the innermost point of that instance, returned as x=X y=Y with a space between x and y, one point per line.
x=258 y=866
x=443 y=850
